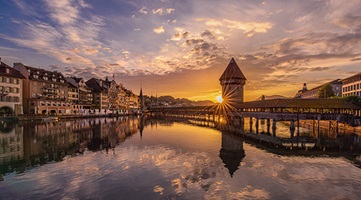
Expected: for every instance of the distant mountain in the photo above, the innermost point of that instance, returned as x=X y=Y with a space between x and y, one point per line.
x=271 y=97
x=174 y=102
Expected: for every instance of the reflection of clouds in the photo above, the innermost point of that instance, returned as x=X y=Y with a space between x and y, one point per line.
x=164 y=171
x=248 y=192
x=305 y=176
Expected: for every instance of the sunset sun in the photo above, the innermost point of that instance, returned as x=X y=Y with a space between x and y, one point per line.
x=219 y=98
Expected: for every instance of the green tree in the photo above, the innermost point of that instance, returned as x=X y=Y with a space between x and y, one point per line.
x=326 y=91
x=353 y=99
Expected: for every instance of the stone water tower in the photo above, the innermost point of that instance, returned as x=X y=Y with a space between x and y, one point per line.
x=232 y=82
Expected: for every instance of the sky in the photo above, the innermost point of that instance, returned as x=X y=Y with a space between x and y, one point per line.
x=181 y=47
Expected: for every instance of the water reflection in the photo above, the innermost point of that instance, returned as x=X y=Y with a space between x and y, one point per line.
x=168 y=159
x=29 y=144
x=232 y=151
x=36 y=144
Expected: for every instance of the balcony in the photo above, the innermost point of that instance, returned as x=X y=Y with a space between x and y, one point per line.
x=4 y=93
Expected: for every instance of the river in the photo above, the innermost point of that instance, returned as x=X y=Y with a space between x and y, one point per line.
x=147 y=158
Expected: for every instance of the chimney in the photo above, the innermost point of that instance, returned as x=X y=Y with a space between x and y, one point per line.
x=304 y=86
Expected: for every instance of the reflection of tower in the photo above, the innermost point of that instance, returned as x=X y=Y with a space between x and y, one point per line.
x=232 y=82
x=141 y=126
x=232 y=152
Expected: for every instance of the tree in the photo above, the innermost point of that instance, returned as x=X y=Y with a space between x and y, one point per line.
x=353 y=99
x=326 y=91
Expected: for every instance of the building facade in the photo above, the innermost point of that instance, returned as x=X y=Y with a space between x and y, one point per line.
x=232 y=82
x=100 y=94
x=79 y=94
x=44 y=92
x=351 y=86
x=11 y=91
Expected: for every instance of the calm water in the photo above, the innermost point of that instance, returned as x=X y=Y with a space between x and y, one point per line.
x=157 y=159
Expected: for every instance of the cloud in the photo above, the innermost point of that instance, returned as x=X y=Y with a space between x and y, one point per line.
x=249 y=28
x=158 y=30
x=170 y=10
x=179 y=36
x=163 y=11
x=91 y=51
x=25 y=8
x=159 y=11
x=63 y=11
x=143 y=11
x=349 y=22
x=208 y=33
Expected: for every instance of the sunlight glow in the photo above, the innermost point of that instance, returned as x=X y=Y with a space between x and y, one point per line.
x=219 y=98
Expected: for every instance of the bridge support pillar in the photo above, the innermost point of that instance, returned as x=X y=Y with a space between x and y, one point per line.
x=241 y=123
x=292 y=129
x=257 y=125
x=250 y=124
x=274 y=127
x=336 y=129
x=318 y=129
x=268 y=125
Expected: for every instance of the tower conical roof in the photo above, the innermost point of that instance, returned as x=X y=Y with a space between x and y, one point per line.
x=232 y=71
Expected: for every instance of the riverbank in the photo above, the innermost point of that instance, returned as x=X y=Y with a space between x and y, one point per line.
x=59 y=117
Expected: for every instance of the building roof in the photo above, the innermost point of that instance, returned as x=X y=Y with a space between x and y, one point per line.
x=352 y=78
x=232 y=71
x=72 y=82
x=77 y=79
x=12 y=72
x=337 y=81
x=43 y=75
x=300 y=103
x=303 y=92
x=93 y=83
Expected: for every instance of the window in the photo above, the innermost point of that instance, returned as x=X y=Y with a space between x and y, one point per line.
x=35 y=76
x=17 y=81
x=45 y=78
x=7 y=71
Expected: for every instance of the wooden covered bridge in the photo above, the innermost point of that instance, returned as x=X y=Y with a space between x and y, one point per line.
x=334 y=111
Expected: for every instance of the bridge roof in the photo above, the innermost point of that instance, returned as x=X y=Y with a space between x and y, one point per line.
x=232 y=71
x=300 y=103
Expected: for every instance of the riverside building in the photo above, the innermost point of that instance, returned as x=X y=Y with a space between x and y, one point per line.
x=351 y=86
x=11 y=91
x=44 y=92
